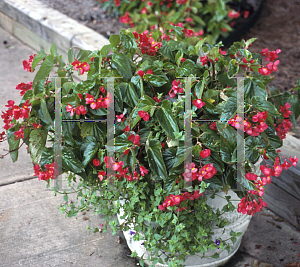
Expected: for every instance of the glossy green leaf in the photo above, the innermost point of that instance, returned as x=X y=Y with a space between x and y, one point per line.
x=155 y=80
x=155 y=158
x=38 y=58
x=166 y=119
x=70 y=162
x=89 y=147
x=263 y=105
x=129 y=94
x=44 y=71
x=37 y=142
x=44 y=113
x=122 y=64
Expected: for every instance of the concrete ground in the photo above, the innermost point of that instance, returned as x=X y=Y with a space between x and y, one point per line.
x=33 y=233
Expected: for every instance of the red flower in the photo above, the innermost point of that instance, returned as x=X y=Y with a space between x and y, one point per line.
x=27 y=64
x=233 y=14
x=144 y=115
x=24 y=87
x=76 y=64
x=80 y=110
x=101 y=175
x=96 y=162
x=140 y=73
x=126 y=18
x=149 y=72
x=69 y=108
x=84 y=67
x=198 y=103
x=293 y=160
x=143 y=170
x=266 y=171
x=205 y=153
x=251 y=176
x=126 y=129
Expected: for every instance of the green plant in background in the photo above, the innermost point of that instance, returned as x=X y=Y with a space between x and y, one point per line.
x=148 y=162
x=213 y=19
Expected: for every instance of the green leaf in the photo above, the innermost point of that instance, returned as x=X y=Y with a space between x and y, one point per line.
x=37 y=142
x=77 y=53
x=229 y=109
x=254 y=87
x=251 y=145
x=155 y=80
x=105 y=50
x=37 y=59
x=70 y=162
x=47 y=156
x=44 y=113
x=228 y=133
x=89 y=147
x=274 y=139
x=54 y=53
x=67 y=86
x=13 y=145
x=263 y=105
x=129 y=94
x=114 y=40
x=121 y=143
x=44 y=70
x=166 y=119
x=122 y=64
x=155 y=159
x=129 y=43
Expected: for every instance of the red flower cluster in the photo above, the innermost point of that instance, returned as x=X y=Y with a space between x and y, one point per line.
x=173 y=200
x=248 y=128
x=126 y=19
x=27 y=64
x=120 y=118
x=250 y=206
x=176 y=88
x=267 y=70
x=51 y=171
x=286 y=124
x=144 y=115
x=233 y=14
x=16 y=112
x=191 y=173
x=146 y=43
x=79 y=110
x=270 y=55
x=204 y=60
x=285 y=111
x=187 y=32
x=135 y=139
x=82 y=67
x=24 y=87
x=2 y=136
x=101 y=102
x=142 y=73
x=118 y=167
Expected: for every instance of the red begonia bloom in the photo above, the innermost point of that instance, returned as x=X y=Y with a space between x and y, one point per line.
x=205 y=153
x=96 y=162
x=198 y=103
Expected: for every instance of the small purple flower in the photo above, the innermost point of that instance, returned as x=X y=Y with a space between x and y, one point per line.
x=131 y=232
x=217 y=242
x=142 y=244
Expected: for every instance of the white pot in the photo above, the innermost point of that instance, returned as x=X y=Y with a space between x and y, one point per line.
x=238 y=222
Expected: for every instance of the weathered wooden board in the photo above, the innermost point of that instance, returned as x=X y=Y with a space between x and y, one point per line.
x=283 y=194
x=283 y=204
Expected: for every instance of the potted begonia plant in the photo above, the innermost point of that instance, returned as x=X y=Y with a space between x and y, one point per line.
x=135 y=164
